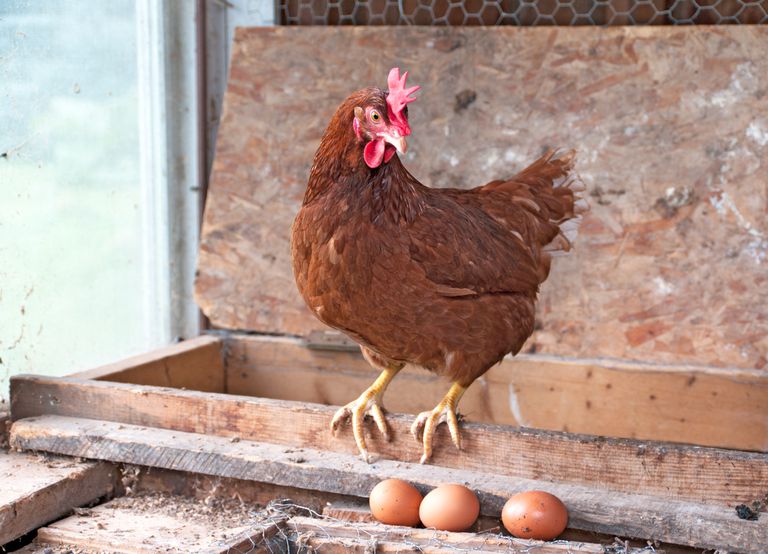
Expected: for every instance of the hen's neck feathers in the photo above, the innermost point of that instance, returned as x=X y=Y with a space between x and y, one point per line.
x=388 y=193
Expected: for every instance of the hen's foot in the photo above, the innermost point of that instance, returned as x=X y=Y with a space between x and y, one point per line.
x=369 y=403
x=446 y=411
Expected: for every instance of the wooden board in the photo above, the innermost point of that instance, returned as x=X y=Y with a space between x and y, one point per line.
x=696 y=405
x=592 y=509
x=35 y=489
x=153 y=523
x=663 y=469
x=337 y=536
x=672 y=133
x=195 y=364
x=358 y=511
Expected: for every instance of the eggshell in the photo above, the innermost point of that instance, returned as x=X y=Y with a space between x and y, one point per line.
x=395 y=502
x=535 y=515
x=449 y=508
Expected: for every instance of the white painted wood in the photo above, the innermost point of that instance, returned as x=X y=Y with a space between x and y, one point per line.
x=150 y=45
x=169 y=150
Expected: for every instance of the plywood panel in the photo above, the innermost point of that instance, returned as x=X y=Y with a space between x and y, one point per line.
x=672 y=133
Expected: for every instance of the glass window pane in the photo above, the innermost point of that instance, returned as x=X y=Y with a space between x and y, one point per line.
x=72 y=283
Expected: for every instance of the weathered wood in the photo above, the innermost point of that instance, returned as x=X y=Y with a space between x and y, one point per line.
x=388 y=538
x=131 y=526
x=356 y=512
x=36 y=489
x=677 y=471
x=593 y=509
x=205 y=487
x=672 y=136
x=695 y=405
x=195 y=364
x=332 y=505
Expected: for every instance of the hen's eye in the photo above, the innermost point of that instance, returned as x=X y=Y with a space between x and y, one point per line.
x=375 y=116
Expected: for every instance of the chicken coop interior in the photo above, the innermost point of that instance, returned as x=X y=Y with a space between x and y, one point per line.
x=384 y=276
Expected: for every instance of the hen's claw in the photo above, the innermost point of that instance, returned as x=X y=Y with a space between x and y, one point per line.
x=369 y=403
x=356 y=412
x=426 y=423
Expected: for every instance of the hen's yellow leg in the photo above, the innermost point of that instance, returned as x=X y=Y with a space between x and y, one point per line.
x=426 y=422
x=369 y=403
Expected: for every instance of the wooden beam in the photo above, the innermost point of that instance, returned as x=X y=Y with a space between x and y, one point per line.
x=149 y=524
x=387 y=538
x=357 y=511
x=195 y=364
x=591 y=509
x=36 y=489
x=689 y=404
x=675 y=471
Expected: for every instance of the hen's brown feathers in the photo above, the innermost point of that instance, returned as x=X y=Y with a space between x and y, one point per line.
x=442 y=278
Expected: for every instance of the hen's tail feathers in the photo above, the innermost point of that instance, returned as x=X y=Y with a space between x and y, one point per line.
x=561 y=193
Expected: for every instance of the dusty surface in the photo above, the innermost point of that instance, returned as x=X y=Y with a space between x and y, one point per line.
x=672 y=133
x=155 y=522
x=36 y=489
x=22 y=474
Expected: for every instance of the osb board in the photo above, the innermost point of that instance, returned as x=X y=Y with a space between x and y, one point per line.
x=671 y=125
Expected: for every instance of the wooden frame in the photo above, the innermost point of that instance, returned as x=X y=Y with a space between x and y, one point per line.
x=138 y=412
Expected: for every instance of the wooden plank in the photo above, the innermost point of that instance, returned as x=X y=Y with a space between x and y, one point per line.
x=37 y=489
x=388 y=538
x=670 y=127
x=677 y=471
x=150 y=523
x=195 y=364
x=690 y=404
x=304 y=501
x=592 y=509
x=357 y=511
x=206 y=487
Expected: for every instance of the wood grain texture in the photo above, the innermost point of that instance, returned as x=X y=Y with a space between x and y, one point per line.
x=388 y=538
x=130 y=526
x=697 y=474
x=194 y=364
x=590 y=508
x=36 y=489
x=672 y=133
x=696 y=405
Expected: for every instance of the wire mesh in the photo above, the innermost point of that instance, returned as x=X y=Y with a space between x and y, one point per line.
x=523 y=12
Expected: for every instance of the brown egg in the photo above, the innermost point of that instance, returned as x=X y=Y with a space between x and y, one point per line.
x=395 y=502
x=449 y=508
x=535 y=515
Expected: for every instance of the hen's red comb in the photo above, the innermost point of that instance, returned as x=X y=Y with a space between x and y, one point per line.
x=398 y=98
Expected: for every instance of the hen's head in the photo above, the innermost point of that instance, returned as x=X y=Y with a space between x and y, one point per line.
x=381 y=120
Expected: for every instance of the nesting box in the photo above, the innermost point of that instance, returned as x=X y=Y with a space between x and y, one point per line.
x=641 y=398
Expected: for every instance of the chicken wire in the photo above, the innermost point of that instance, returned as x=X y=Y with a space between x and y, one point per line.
x=522 y=12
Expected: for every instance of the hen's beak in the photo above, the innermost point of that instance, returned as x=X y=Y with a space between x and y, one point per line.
x=397 y=140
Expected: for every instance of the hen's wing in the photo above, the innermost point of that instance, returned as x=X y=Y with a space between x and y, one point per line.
x=498 y=238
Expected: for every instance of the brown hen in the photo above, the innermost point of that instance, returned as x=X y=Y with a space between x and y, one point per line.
x=445 y=279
